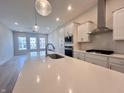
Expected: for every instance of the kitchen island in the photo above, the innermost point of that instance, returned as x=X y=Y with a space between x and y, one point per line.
x=42 y=74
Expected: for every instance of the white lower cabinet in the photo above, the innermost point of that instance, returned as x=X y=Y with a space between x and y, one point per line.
x=110 y=62
x=116 y=67
x=97 y=60
x=76 y=55
x=79 y=55
x=82 y=56
x=116 y=64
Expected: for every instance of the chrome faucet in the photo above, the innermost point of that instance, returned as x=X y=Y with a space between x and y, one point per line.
x=47 y=48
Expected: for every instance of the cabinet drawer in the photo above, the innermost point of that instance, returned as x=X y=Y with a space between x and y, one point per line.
x=116 y=67
x=116 y=61
x=81 y=56
x=96 y=62
x=76 y=54
x=98 y=57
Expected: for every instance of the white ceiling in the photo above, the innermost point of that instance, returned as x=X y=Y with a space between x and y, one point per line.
x=22 y=11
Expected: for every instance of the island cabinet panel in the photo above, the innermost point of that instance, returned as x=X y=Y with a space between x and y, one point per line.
x=116 y=64
x=97 y=60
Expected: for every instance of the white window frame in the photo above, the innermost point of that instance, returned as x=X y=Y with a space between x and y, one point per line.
x=22 y=45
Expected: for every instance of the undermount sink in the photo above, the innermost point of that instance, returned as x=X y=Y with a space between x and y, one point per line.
x=55 y=56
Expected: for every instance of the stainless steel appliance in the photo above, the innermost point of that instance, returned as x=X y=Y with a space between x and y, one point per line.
x=68 y=39
x=69 y=51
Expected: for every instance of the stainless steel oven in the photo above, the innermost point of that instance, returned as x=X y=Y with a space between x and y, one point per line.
x=68 y=39
x=69 y=51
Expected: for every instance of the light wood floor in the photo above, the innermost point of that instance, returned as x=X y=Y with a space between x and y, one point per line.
x=9 y=73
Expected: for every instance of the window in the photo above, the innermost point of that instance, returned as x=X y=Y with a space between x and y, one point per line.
x=42 y=43
x=22 y=45
x=33 y=54
x=33 y=43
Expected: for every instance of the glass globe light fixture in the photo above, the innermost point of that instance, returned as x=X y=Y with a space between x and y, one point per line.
x=36 y=28
x=43 y=7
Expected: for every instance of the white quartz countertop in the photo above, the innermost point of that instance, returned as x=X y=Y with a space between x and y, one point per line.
x=112 y=55
x=42 y=74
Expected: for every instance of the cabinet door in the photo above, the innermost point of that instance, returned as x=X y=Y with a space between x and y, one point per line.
x=69 y=29
x=76 y=54
x=96 y=56
x=118 y=25
x=119 y=68
x=81 y=56
x=96 y=61
x=83 y=33
x=116 y=64
x=84 y=30
x=117 y=61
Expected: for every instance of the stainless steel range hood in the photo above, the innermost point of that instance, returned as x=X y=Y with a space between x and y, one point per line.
x=101 y=17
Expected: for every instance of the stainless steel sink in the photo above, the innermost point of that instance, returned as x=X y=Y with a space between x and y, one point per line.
x=55 y=56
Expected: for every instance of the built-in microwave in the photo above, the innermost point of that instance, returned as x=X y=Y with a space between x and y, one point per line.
x=69 y=39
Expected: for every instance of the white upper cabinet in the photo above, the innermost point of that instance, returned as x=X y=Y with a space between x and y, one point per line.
x=118 y=24
x=84 y=30
x=69 y=29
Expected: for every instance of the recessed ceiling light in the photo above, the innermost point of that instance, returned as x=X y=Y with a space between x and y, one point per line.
x=69 y=8
x=16 y=23
x=57 y=19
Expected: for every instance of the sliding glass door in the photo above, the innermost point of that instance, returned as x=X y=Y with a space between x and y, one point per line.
x=42 y=43
x=33 y=43
x=28 y=42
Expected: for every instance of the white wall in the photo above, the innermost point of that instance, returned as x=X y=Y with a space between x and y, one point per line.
x=6 y=44
x=54 y=39
x=89 y=15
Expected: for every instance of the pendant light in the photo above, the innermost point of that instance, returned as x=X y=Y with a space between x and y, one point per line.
x=43 y=7
x=36 y=28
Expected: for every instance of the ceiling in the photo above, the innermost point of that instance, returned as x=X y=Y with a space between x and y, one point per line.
x=22 y=11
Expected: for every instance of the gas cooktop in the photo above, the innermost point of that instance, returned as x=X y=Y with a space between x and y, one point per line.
x=107 y=52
